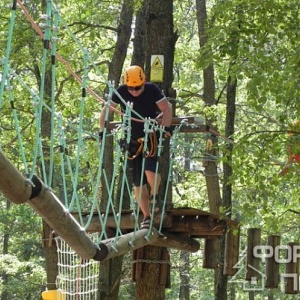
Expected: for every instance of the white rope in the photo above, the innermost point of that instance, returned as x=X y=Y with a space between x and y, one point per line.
x=78 y=278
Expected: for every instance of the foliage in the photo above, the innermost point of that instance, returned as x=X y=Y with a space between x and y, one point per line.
x=24 y=278
x=267 y=67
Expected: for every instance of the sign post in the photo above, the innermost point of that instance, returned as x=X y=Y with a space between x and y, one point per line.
x=157 y=68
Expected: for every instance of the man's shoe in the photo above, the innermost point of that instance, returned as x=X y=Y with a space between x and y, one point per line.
x=146 y=223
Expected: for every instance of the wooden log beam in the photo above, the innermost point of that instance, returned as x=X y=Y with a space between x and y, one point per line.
x=129 y=242
x=19 y=190
x=47 y=205
x=13 y=184
x=178 y=242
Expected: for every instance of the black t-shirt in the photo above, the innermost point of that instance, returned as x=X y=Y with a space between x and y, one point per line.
x=144 y=105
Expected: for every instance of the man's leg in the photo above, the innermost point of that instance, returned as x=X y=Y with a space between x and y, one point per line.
x=153 y=180
x=142 y=197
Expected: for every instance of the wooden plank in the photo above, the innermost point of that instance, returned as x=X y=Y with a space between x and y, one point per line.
x=231 y=256
x=291 y=276
x=198 y=226
x=178 y=211
x=127 y=221
x=195 y=226
x=211 y=248
x=253 y=239
x=189 y=211
x=272 y=266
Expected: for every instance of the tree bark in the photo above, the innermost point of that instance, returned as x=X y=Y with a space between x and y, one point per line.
x=111 y=270
x=160 y=38
x=155 y=19
x=184 y=270
x=148 y=287
x=4 y=277
x=211 y=171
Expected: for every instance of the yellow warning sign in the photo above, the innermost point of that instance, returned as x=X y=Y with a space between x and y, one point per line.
x=157 y=68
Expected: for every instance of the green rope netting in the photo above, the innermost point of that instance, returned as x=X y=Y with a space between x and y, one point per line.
x=64 y=152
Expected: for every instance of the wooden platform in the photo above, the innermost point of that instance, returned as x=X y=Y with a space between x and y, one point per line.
x=191 y=222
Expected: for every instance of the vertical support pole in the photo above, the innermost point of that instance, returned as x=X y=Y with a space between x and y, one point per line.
x=253 y=239
x=272 y=266
x=232 y=241
x=211 y=250
x=292 y=270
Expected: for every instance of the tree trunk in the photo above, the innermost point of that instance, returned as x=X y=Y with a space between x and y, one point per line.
x=221 y=289
x=148 y=287
x=184 y=270
x=212 y=179
x=51 y=258
x=111 y=270
x=156 y=35
x=4 y=277
x=139 y=40
x=123 y=38
x=231 y=86
x=160 y=38
x=211 y=171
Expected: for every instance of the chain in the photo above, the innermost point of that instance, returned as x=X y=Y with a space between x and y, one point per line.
x=151 y=261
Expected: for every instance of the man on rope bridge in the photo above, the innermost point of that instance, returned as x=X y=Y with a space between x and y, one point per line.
x=294 y=147
x=147 y=102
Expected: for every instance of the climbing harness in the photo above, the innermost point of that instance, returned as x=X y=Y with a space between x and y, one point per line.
x=135 y=147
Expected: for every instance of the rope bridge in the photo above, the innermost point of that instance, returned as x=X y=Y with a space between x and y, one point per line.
x=62 y=168
x=57 y=163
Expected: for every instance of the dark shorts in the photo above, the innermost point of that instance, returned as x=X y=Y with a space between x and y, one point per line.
x=137 y=169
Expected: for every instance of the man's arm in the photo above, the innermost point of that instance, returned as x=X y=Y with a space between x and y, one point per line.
x=166 y=108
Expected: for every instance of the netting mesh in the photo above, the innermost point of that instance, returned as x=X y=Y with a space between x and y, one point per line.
x=54 y=140
x=78 y=278
x=69 y=158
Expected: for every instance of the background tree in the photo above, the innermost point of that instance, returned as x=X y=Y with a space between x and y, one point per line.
x=154 y=17
x=255 y=60
x=111 y=270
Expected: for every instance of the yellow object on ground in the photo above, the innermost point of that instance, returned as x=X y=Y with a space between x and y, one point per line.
x=53 y=295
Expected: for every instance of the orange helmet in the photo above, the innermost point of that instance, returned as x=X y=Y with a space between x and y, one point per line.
x=134 y=76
